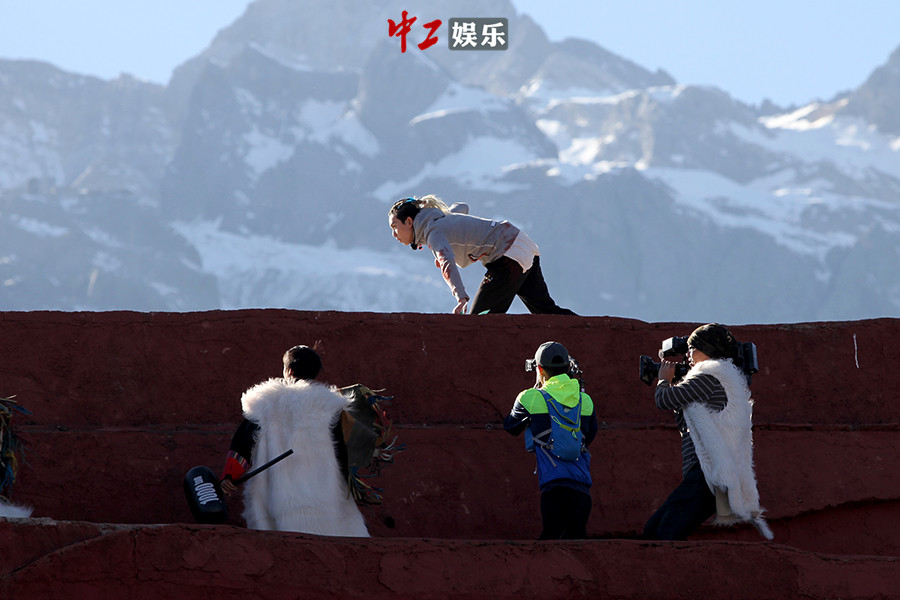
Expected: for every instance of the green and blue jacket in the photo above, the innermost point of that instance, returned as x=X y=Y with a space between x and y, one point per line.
x=530 y=411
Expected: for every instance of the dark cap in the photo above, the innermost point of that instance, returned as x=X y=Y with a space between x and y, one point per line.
x=552 y=355
x=714 y=340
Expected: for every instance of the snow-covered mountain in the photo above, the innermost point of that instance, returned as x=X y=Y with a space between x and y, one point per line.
x=262 y=174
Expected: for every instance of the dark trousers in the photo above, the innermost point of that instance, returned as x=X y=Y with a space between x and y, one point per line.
x=564 y=514
x=686 y=508
x=504 y=280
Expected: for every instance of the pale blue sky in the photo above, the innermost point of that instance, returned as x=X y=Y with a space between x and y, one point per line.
x=791 y=51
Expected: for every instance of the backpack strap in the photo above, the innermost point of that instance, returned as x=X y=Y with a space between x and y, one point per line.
x=556 y=414
x=556 y=411
x=573 y=424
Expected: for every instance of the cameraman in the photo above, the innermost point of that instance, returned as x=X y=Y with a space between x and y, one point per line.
x=565 y=484
x=713 y=411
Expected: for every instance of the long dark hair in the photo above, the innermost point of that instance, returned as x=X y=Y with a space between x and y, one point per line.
x=410 y=206
x=406 y=208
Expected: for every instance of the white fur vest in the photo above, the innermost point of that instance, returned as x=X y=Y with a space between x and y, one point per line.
x=724 y=445
x=14 y=511
x=305 y=492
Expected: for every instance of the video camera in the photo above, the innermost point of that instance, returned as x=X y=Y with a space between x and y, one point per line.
x=745 y=359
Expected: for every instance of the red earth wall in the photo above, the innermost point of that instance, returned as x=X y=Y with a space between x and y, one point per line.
x=124 y=403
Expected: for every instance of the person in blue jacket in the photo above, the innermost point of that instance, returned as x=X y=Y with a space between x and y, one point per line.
x=565 y=484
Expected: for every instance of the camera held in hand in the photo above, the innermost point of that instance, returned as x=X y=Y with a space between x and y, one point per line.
x=672 y=348
x=745 y=358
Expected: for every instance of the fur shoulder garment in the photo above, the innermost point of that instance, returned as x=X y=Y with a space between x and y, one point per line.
x=305 y=492
x=14 y=511
x=724 y=445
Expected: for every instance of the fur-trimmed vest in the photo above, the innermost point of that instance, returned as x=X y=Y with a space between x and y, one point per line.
x=724 y=445
x=305 y=492
x=14 y=511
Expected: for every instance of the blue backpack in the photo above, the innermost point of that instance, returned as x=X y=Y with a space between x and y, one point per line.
x=564 y=439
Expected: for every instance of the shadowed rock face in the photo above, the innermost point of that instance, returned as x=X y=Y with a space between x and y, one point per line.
x=873 y=99
x=123 y=404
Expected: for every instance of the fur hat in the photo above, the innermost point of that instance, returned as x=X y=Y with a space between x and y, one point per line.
x=714 y=340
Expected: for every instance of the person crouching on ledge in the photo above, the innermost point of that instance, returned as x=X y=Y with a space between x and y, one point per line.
x=458 y=239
